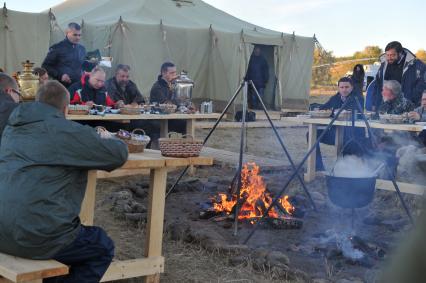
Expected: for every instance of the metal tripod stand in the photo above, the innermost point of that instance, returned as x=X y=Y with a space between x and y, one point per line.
x=244 y=85
x=354 y=100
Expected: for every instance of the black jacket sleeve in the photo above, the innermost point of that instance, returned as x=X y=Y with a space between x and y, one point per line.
x=50 y=62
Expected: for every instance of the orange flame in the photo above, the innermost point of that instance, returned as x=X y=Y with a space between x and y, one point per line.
x=256 y=199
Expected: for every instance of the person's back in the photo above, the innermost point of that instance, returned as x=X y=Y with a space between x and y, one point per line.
x=44 y=161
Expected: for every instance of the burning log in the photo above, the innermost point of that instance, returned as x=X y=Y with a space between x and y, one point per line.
x=253 y=201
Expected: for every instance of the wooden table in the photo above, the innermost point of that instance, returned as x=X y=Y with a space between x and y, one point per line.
x=313 y=124
x=153 y=263
x=163 y=118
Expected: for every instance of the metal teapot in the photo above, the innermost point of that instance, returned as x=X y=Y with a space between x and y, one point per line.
x=182 y=89
x=28 y=82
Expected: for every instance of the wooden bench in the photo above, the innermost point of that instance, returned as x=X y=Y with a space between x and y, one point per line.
x=16 y=269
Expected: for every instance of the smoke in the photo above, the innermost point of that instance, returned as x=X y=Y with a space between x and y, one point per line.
x=351 y=166
x=412 y=164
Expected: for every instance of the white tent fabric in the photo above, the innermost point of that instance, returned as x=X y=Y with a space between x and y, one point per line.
x=211 y=45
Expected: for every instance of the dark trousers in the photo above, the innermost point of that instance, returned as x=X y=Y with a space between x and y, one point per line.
x=88 y=256
x=253 y=101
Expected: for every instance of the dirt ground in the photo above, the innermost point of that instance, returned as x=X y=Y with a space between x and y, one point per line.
x=189 y=262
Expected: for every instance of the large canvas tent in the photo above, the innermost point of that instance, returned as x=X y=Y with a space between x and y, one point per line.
x=212 y=46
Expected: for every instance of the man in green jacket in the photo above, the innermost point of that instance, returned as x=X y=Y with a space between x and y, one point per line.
x=44 y=161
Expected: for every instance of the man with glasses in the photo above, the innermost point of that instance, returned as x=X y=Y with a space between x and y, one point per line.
x=64 y=59
x=9 y=98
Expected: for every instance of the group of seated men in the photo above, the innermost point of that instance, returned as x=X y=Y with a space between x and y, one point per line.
x=399 y=88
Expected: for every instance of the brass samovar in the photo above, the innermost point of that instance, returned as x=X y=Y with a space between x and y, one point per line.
x=28 y=82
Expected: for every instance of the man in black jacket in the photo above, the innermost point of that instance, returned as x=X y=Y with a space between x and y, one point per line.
x=258 y=72
x=121 y=89
x=161 y=91
x=64 y=59
x=9 y=98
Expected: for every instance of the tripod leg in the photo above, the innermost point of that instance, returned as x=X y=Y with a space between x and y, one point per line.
x=282 y=145
x=209 y=134
x=295 y=173
x=240 y=161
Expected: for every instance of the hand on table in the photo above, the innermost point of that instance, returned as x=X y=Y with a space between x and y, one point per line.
x=414 y=115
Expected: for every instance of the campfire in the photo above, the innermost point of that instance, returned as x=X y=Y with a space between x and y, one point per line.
x=254 y=200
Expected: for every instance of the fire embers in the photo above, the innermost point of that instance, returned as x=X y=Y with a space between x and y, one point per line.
x=254 y=201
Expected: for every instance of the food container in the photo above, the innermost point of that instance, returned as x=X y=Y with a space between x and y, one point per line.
x=168 y=108
x=182 y=88
x=136 y=141
x=392 y=119
x=130 y=110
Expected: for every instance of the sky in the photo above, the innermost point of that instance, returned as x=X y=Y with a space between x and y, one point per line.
x=341 y=26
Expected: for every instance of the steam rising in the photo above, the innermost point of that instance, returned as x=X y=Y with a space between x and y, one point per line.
x=352 y=166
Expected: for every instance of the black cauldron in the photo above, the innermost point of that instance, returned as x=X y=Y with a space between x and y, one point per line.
x=350 y=192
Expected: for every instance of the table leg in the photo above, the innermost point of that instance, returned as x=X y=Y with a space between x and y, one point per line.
x=312 y=137
x=190 y=130
x=156 y=204
x=338 y=142
x=164 y=128
x=87 y=211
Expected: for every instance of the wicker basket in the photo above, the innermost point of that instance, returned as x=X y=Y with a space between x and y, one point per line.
x=135 y=145
x=130 y=110
x=78 y=112
x=177 y=145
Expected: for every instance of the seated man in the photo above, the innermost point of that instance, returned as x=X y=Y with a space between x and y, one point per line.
x=394 y=101
x=90 y=89
x=419 y=115
x=44 y=161
x=122 y=89
x=352 y=139
x=161 y=91
x=9 y=98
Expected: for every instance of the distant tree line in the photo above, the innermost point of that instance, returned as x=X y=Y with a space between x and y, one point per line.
x=327 y=68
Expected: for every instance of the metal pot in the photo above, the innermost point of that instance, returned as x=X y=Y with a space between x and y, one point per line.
x=183 y=86
x=350 y=192
x=28 y=83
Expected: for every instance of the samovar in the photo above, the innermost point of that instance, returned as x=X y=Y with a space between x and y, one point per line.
x=28 y=82
x=182 y=87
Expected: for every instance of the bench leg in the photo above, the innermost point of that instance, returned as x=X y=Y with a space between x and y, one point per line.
x=310 y=170
x=156 y=204
x=190 y=130
x=88 y=206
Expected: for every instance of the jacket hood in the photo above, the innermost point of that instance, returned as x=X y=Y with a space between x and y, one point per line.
x=32 y=112
x=409 y=57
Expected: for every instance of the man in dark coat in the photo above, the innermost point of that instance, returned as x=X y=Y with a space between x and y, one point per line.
x=401 y=65
x=91 y=90
x=44 y=162
x=345 y=86
x=9 y=98
x=258 y=72
x=121 y=89
x=161 y=91
x=64 y=59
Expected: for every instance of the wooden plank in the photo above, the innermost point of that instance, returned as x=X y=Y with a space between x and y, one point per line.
x=154 y=228
x=311 y=162
x=4 y=280
x=115 y=117
x=403 y=187
x=373 y=124
x=121 y=173
x=255 y=124
x=134 y=268
x=274 y=115
x=338 y=141
x=88 y=205
x=19 y=269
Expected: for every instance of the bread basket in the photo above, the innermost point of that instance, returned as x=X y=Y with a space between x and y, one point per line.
x=78 y=109
x=135 y=142
x=177 y=145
